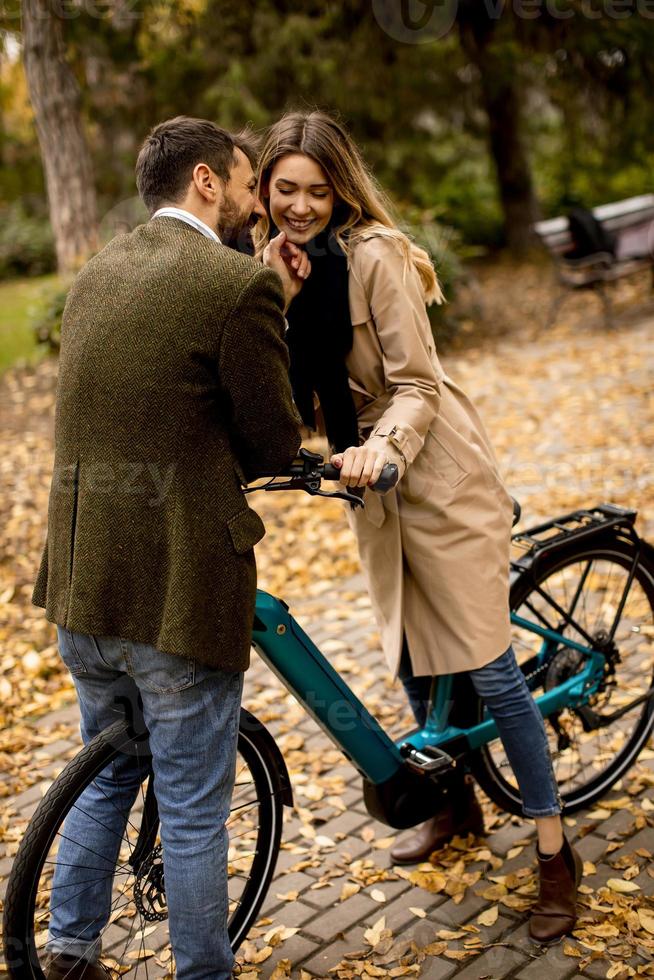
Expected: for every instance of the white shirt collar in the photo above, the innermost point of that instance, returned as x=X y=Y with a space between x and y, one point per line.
x=189 y=218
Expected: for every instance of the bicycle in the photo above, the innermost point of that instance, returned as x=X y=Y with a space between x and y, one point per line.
x=582 y=605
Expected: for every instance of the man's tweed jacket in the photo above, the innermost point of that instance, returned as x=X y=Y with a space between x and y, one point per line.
x=173 y=389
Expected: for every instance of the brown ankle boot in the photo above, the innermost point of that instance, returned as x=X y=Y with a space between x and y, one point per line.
x=555 y=912
x=64 y=967
x=460 y=816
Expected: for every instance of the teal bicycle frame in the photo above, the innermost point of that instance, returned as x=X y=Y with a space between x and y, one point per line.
x=405 y=781
x=296 y=660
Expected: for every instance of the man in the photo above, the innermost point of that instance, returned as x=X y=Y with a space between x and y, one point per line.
x=172 y=392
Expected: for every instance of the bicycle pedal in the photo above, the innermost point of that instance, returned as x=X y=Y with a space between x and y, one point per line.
x=428 y=761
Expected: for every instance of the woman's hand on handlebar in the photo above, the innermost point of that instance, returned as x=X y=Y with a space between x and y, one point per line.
x=360 y=466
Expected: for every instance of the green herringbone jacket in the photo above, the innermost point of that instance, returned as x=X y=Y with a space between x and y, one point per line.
x=173 y=389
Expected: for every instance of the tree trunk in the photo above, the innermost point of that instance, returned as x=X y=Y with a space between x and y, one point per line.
x=55 y=98
x=501 y=96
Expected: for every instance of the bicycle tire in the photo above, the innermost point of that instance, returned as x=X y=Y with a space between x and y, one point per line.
x=24 y=960
x=503 y=791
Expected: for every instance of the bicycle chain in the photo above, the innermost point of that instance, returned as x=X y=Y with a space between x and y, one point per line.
x=543 y=667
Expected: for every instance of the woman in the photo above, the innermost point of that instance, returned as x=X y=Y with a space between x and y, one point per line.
x=435 y=550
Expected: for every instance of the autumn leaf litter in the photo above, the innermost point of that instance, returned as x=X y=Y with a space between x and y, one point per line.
x=596 y=424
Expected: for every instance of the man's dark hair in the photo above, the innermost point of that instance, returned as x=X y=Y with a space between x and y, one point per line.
x=165 y=163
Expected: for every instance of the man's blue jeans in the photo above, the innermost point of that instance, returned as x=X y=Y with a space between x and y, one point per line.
x=191 y=713
x=501 y=685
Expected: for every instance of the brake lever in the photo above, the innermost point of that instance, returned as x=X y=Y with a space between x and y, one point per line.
x=312 y=487
x=351 y=498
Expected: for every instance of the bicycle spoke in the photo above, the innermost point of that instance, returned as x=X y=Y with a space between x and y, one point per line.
x=87 y=867
x=579 y=590
x=110 y=801
x=564 y=615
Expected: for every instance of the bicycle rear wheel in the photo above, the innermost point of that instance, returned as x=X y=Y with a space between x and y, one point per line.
x=607 y=609
x=135 y=939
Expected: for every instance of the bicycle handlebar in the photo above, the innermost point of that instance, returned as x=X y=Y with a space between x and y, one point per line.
x=387 y=479
x=309 y=470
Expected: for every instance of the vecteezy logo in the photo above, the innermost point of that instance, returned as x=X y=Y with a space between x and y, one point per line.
x=415 y=21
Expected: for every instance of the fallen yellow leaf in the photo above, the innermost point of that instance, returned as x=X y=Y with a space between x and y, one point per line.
x=489 y=916
x=646 y=918
x=622 y=886
x=349 y=889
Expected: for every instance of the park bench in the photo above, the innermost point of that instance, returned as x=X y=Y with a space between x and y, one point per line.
x=627 y=230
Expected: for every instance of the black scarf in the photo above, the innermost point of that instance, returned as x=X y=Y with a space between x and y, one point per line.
x=319 y=339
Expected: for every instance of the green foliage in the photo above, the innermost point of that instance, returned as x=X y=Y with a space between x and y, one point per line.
x=26 y=245
x=416 y=109
x=448 y=253
x=47 y=315
x=19 y=301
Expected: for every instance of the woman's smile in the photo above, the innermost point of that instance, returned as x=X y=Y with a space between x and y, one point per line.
x=298 y=224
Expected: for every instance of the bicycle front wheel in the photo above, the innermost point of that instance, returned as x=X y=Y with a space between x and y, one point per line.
x=135 y=938
x=589 y=595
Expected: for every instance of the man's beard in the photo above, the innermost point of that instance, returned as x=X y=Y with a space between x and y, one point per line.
x=235 y=229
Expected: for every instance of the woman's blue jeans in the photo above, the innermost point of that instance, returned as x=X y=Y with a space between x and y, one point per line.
x=191 y=713
x=502 y=687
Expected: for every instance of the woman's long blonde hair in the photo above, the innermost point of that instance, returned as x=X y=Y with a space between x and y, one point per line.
x=360 y=205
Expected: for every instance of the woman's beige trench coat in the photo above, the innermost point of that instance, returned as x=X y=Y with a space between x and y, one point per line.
x=435 y=550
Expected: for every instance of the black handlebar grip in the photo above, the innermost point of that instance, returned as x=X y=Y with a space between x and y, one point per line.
x=387 y=479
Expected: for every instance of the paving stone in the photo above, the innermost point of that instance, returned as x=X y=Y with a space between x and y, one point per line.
x=520 y=940
x=115 y=938
x=353 y=800
x=287 y=859
x=294 y=881
x=620 y=822
x=426 y=931
x=398 y=912
x=493 y=964
x=61 y=749
x=452 y=915
x=348 y=822
x=28 y=810
x=66 y=714
x=348 y=773
x=295 y=949
x=330 y=894
x=342 y=916
x=591 y=848
x=437 y=968
x=288 y=913
x=6 y=864
x=596 y=969
x=526 y=859
x=349 y=849
x=29 y=795
x=600 y=878
x=550 y=964
x=331 y=953
x=500 y=841
x=644 y=838
x=291 y=827
x=645 y=881
x=504 y=925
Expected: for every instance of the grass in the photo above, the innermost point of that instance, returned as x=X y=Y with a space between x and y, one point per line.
x=18 y=299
